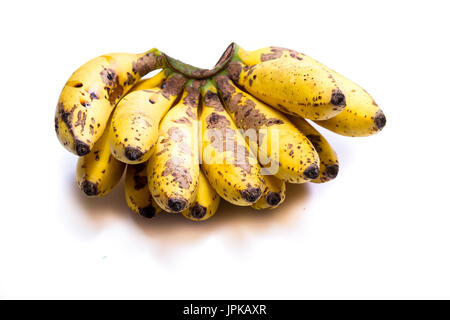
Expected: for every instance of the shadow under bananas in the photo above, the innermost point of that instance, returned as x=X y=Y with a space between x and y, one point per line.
x=172 y=231
x=103 y=209
x=236 y=223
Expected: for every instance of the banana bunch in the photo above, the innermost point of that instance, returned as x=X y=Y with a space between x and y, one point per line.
x=188 y=137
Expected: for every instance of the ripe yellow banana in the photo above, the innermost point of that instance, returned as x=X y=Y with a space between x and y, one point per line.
x=174 y=170
x=329 y=164
x=289 y=84
x=137 y=193
x=98 y=172
x=90 y=94
x=206 y=202
x=150 y=83
x=230 y=167
x=361 y=116
x=136 y=118
x=278 y=140
x=273 y=195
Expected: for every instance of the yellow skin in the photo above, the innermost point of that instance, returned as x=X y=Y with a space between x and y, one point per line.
x=361 y=117
x=174 y=170
x=137 y=194
x=279 y=139
x=289 y=84
x=273 y=195
x=90 y=94
x=236 y=176
x=98 y=172
x=150 y=83
x=329 y=164
x=206 y=203
x=134 y=129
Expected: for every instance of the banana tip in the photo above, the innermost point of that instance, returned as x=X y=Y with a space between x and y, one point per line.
x=251 y=194
x=312 y=172
x=273 y=198
x=332 y=171
x=147 y=212
x=380 y=119
x=198 y=211
x=177 y=205
x=89 y=188
x=81 y=148
x=338 y=98
x=133 y=154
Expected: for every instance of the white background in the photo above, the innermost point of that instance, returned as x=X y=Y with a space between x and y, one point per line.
x=380 y=230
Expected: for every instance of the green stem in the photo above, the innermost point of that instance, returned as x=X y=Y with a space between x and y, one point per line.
x=192 y=72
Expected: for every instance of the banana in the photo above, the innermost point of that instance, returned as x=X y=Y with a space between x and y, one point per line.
x=329 y=164
x=273 y=195
x=361 y=117
x=98 y=172
x=90 y=94
x=206 y=202
x=134 y=129
x=277 y=139
x=150 y=83
x=137 y=193
x=230 y=167
x=289 y=84
x=174 y=170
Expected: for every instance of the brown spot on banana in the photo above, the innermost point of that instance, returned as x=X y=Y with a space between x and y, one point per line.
x=180 y=174
x=251 y=194
x=176 y=204
x=316 y=140
x=193 y=93
x=197 y=211
x=89 y=188
x=137 y=193
x=173 y=86
x=311 y=172
x=113 y=87
x=379 y=119
x=332 y=171
x=150 y=61
x=273 y=198
x=147 y=212
x=133 y=154
x=176 y=134
x=212 y=100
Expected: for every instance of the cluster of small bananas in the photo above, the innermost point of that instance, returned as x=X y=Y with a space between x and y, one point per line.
x=181 y=134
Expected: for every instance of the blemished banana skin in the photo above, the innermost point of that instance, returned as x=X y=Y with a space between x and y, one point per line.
x=289 y=84
x=98 y=172
x=135 y=121
x=329 y=163
x=273 y=195
x=137 y=193
x=91 y=93
x=206 y=202
x=231 y=169
x=361 y=116
x=277 y=138
x=150 y=83
x=173 y=172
